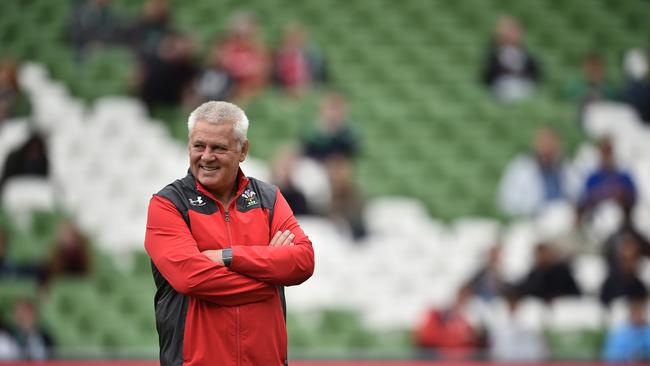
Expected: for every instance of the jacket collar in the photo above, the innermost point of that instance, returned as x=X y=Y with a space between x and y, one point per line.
x=193 y=183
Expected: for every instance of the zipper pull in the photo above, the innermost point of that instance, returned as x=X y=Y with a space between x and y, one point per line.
x=227 y=218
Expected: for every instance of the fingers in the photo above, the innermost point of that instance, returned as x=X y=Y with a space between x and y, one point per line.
x=274 y=241
x=281 y=239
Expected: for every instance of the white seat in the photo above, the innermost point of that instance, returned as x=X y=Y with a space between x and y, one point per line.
x=589 y=271
x=569 y=313
x=22 y=195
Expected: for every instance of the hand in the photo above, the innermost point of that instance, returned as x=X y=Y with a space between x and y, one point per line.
x=282 y=239
x=214 y=255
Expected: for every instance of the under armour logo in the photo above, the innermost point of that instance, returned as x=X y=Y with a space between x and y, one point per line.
x=197 y=202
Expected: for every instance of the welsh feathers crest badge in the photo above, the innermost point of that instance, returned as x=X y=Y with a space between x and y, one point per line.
x=249 y=197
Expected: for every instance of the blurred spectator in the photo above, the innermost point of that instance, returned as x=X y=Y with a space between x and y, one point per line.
x=448 y=332
x=534 y=179
x=213 y=82
x=29 y=159
x=510 y=71
x=593 y=85
x=34 y=342
x=13 y=102
x=282 y=167
x=298 y=65
x=8 y=348
x=622 y=279
x=93 y=23
x=347 y=201
x=630 y=342
x=151 y=27
x=637 y=85
x=511 y=339
x=607 y=182
x=626 y=233
x=334 y=143
x=166 y=78
x=333 y=133
x=245 y=57
x=488 y=283
x=550 y=276
x=71 y=252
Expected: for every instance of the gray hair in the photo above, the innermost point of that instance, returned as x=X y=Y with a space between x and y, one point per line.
x=218 y=112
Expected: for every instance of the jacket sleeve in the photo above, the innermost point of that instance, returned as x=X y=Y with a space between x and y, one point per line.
x=286 y=266
x=174 y=251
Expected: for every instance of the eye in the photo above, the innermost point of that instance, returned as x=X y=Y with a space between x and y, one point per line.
x=198 y=146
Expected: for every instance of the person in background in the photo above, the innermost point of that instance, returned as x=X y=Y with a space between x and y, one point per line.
x=334 y=143
x=298 y=65
x=448 y=333
x=30 y=159
x=151 y=27
x=533 y=180
x=8 y=347
x=70 y=253
x=213 y=82
x=630 y=342
x=282 y=167
x=623 y=278
x=510 y=71
x=636 y=91
x=93 y=24
x=34 y=341
x=244 y=56
x=607 y=182
x=550 y=276
x=593 y=85
x=165 y=79
x=510 y=339
x=488 y=282
x=625 y=233
x=13 y=102
x=333 y=133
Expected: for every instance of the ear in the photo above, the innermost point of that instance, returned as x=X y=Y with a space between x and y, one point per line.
x=244 y=151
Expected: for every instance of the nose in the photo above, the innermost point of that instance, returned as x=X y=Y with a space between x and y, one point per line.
x=208 y=155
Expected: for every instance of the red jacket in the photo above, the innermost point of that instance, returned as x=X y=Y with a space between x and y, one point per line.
x=207 y=314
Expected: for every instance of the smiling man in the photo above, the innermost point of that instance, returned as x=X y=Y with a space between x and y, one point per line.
x=223 y=246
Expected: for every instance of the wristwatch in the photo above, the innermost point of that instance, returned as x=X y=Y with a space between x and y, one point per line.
x=226 y=256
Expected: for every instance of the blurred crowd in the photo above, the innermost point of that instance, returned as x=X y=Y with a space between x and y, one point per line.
x=535 y=182
x=22 y=335
x=512 y=72
x=239 y=65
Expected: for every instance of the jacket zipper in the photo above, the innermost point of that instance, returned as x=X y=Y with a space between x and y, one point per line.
x=238 y=330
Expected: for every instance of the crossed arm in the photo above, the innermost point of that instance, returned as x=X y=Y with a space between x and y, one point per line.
x=288 y=259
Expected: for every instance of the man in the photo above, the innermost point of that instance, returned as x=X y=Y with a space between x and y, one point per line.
x=630 y=342
x=533 y=180
x=222 y=247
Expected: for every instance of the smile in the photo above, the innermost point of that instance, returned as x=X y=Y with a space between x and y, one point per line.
x=209 y=168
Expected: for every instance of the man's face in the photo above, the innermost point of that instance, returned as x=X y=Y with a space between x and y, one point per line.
x=215 y=154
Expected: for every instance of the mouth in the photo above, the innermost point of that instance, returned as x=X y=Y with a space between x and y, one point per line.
x=209 y=168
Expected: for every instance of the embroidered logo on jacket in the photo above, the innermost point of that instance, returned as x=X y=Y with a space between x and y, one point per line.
x=197 y=202
x=249 y=197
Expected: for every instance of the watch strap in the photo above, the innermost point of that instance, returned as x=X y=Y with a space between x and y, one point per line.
x=226 y=256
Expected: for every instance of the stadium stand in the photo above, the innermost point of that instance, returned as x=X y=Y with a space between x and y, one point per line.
x=434 y=146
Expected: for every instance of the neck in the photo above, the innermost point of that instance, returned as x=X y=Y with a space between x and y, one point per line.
x=226 y=196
